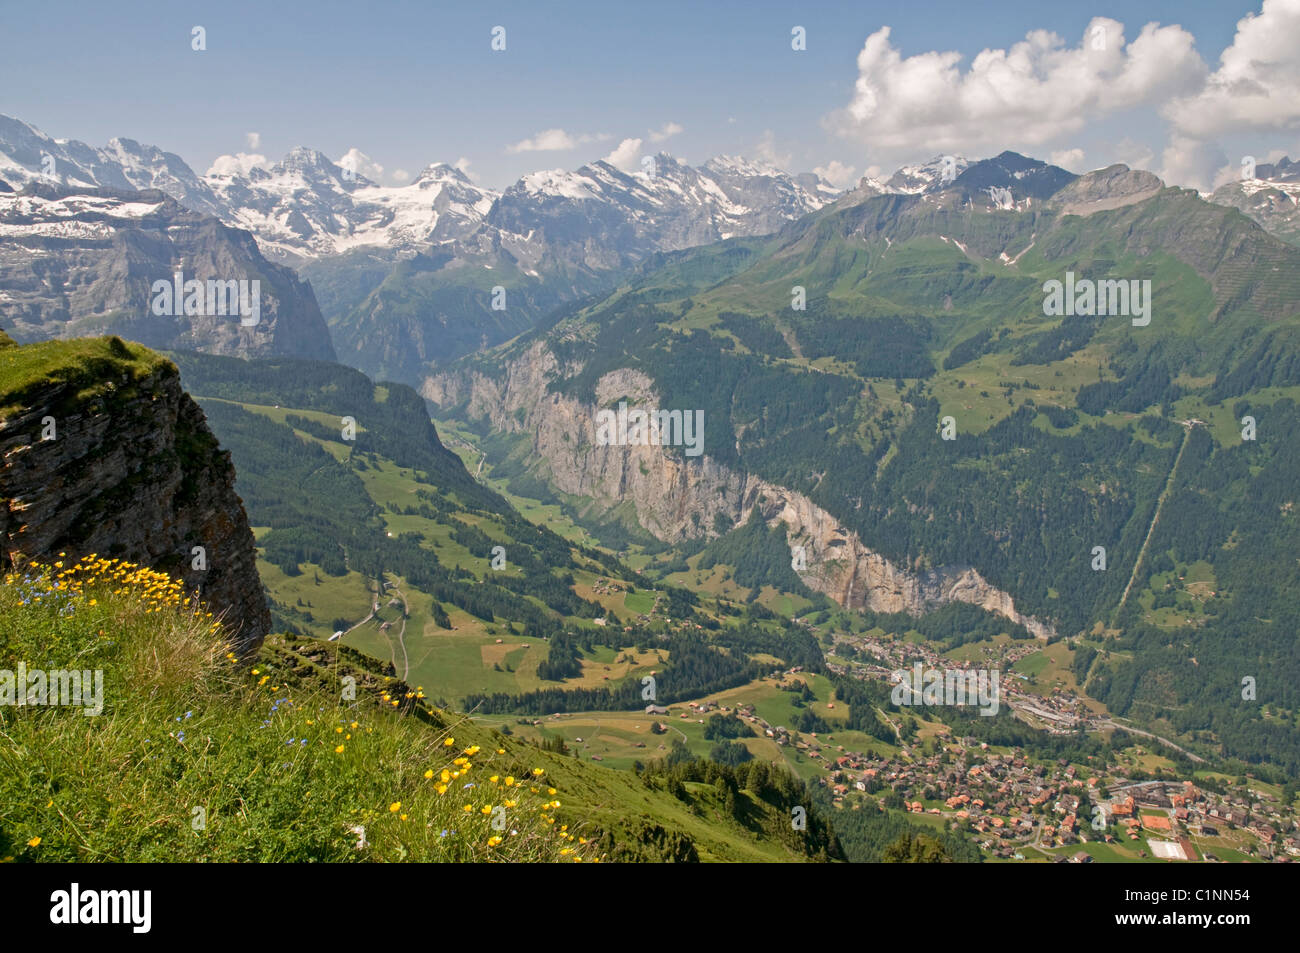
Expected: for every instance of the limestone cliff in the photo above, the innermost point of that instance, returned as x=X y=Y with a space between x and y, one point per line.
x=82 y=262
x=103 y=452
x=676 y=498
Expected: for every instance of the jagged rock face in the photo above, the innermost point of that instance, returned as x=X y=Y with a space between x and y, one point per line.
x=677 y=498
x=137 y=477
x=1271 y=197
x=1111 y=187
x=83 y=262
x=307 y=207
x=26 y=154
x=599 y=217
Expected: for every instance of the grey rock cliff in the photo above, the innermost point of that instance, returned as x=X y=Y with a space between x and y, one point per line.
x=136 y=475
x=83 y=262
x=676 y=498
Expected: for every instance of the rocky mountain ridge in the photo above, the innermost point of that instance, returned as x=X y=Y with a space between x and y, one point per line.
x=81 y=261
x=676 y=498
x=307 y=207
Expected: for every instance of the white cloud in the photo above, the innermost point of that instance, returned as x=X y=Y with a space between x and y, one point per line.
x=766 y=151
x=1197 y=163
x=1135 y=155
x=666 y=131
x=1071 y=159
x=241 y=163
x=463 y=165
x=361 y=164
x=837 y=173
x=254 y=140
x=1257 y=84
x=627 y=156
x=1235 y=170
x=1256 y=89
x=401 y=175
x=1028 y=95
x=554 y=140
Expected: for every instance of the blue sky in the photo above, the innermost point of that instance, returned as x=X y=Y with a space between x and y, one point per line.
x=412 y=83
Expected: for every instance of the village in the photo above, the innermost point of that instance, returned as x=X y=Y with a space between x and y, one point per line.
x=1015 y=807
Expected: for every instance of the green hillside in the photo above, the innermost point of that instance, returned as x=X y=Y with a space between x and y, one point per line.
x=310 y=751
x=1072 y=433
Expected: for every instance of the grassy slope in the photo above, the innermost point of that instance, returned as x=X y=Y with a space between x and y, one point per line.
x=99 y=366
x=184 y=728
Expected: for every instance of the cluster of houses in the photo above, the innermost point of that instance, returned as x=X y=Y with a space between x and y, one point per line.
x=1014 y=803
x=1183 y=807
x=1060 y=712
x=606 y=587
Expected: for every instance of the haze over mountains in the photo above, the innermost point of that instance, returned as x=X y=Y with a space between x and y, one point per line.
x=404 y=276
x=307 y=206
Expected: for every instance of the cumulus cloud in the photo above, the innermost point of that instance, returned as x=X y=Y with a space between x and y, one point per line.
x=1036 y=91
x=241 y=163
x=837 y=173
x=1256 y=89
x=666 y=131
x=1193 y=162
x=254 y=140
x=554 y=140
x=462 y=164
x=1257 y=84
x=1071 y=159
x=766 y=151
x=626 y=156
x=360 y=163
x=1135 y=155
x=401 y=175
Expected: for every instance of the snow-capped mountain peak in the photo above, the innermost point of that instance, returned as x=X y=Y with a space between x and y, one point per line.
x=309 y=206
x=938 y=173
x=739 y=165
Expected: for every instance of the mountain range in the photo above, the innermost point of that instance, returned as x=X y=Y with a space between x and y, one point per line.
x=885 y=386
x=413 y=276
x=306 y=206
x=905 y=450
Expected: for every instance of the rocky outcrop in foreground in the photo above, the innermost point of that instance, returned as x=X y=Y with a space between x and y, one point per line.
x=128 y=469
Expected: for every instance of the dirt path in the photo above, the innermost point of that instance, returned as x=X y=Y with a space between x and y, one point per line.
x=401 y=636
